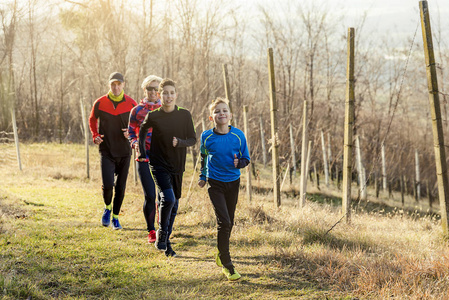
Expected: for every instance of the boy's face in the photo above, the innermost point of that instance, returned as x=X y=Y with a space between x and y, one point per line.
x=221 y=115
x=168 y=97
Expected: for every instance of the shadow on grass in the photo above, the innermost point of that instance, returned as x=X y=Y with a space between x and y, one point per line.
x=370 y=207
x=32 y=203
x=281 y=273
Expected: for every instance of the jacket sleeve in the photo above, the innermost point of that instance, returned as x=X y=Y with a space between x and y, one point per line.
x=133 y=128
x=143 y=131
x=244 y=158
x=93 y=120
x=203 y=170
x=190 y=139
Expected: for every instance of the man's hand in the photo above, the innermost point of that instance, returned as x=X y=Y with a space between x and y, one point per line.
x=125 y=133
x=201 y=183
x=175 y=141
x=99 y=139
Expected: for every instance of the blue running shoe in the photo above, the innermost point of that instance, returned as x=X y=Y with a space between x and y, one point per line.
x=106 y=218
x=116 y=224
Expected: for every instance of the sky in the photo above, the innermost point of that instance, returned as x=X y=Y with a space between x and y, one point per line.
x=395 y=18
x=399 y=17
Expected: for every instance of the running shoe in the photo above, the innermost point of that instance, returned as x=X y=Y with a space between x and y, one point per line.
x=161 y=240
x=170 y=252
x=218 y=260
x=106 y=218
x=151 y=236
x=231 y=273
x=116 y=224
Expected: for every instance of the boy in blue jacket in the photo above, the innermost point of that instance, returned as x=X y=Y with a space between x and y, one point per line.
x=223 y=153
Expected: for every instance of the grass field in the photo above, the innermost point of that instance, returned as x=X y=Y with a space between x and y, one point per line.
x=52 y=244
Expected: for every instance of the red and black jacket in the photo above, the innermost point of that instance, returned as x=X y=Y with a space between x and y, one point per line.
x=108 y=119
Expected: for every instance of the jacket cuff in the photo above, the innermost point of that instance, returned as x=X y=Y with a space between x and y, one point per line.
x=94 y=136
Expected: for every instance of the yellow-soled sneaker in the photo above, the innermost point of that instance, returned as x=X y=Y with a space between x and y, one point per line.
x=231 y=273
x=217 y=259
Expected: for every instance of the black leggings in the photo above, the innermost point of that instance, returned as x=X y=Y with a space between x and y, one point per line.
x=169 y=185
x=111 y=166
x=224 y=197
x=149 y=191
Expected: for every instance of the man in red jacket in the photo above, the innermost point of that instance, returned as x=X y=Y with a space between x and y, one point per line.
x=108 y=123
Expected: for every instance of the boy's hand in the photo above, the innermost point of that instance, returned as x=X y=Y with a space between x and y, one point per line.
x=236 y=161
x=125 y=133
x=201 y=183
x=99 y=139
x=175 y=141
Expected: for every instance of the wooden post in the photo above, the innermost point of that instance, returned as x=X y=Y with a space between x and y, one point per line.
x=262 y=142
x=363 y=180
x=192 y=153
x=303 y=182
x=292 y=146
x=248 y=170
x=134 y=162
x=376 y=185
x=337 y=173
x=417 y=178
x=309 y=150
x=349 y=124
x=203 y=125
x=228 y=93
x=429 y=193
x=364 y=184
x=317 y=177
x=16 y=136
x=329 y=154
x=437 y=126
x=358 y=161
x=274 y=140
x=402 y=189
x=285 y=176
x=86 y=136
x=326 y=170
x=384 y=170
x=405 y=185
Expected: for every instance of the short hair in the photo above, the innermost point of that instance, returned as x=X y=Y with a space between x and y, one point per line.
x=165 y=82
x=216 y=102
x=149 y=80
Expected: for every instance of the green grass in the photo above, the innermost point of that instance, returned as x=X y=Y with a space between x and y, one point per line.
x=52 y=244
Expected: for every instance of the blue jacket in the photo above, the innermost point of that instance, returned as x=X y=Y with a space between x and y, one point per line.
x=217 y=152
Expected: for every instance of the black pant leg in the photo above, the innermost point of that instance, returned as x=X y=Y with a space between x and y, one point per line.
x=232 y=195
x=167 y=198
x=107 y=165
x=122 y=168
x=149 y=191
x=217 y=191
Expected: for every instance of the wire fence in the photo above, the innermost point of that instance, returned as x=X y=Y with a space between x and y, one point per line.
x=6 y=137
x=8 y=152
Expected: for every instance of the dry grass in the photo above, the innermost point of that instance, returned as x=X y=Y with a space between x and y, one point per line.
x=285 y=252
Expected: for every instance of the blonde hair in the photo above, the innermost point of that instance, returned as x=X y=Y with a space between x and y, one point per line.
x=149 y=80
x=216 y=102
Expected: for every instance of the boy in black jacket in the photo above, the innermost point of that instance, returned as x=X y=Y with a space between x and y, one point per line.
x=173 y=132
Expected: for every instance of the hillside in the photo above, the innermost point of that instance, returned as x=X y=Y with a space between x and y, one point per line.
x=53 y=246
